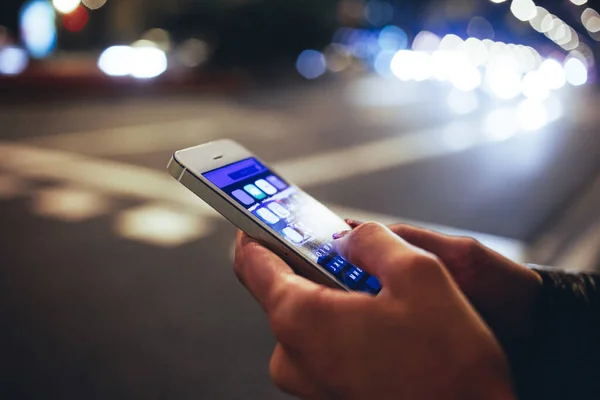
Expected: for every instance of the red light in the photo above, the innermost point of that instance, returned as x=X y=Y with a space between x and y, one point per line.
x=77 y=20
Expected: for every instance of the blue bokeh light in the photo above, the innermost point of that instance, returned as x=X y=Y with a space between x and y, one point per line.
x=311 y=64
x=393 y=38
x=38 y=28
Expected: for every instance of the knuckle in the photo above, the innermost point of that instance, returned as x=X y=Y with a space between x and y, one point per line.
x=469 y=249
x=358 y=241
x=422 y=265
x=368 y=229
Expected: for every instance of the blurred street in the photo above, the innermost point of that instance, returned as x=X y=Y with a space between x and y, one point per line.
x=115 y=282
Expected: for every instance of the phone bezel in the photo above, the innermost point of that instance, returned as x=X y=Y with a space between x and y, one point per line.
x=195 y=161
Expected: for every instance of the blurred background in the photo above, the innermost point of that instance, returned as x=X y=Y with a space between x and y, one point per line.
x=473 y=117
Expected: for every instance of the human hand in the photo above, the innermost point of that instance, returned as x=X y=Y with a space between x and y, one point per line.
x=503 y=291
x=418 y=339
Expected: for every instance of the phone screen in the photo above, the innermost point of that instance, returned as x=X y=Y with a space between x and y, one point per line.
x=300 y=220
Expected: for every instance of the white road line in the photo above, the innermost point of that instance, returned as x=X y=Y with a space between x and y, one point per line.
x=215 y=122
x=118 y=179
x=370 y=157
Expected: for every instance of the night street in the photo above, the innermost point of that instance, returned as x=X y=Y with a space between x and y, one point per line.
x=115 y=282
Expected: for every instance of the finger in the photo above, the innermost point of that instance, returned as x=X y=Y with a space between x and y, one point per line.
x=264 y=274
x=437 y=243
x=353 y=223
x=376 y=249
x=434 y=242
x=289 y=377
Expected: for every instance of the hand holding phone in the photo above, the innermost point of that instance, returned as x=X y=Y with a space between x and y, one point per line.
x=419 y=339
x=271 y=210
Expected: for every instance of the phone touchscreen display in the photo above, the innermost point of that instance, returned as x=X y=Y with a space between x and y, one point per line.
x=296 y=217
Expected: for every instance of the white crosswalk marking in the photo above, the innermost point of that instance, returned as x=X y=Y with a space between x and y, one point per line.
x=69 y=204
x=161 y=225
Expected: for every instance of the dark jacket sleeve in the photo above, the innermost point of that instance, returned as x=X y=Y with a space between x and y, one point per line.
x=561 y=360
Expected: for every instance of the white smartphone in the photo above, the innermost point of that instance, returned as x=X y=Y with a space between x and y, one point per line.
x=268 y=208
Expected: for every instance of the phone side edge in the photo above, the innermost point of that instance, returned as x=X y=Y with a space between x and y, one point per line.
x=300 y=264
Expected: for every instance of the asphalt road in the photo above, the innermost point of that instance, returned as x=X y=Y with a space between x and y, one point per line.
x=116 y=283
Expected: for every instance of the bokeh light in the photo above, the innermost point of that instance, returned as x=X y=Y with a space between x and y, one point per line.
x=392 y=38
x=94 y=4
x=534 y=86
x=503 y=78
x=115 y=61
x=426 y=41
x=382 y=64
x=451 y=43
x=480 y=28
x=66 y=6
x=541 y=16
x=523 y=10
x=575 y=72
x=379 y=13
x=579 y=2
x=552 y=73
x=193 y=52
x=476 y=51
x=13 y=60
x=311 y=64
x=38 y=30
x=148 y=62
x=159 y=37
x=591 y=20
x=77 y=20
x=402 y=65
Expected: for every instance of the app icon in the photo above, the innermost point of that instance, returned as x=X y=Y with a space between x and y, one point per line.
x=267 y=215
x=275 y=181
x=293 y=235
x=255 y=192
x=243 y=197
x=279 y=210
x=266 y=187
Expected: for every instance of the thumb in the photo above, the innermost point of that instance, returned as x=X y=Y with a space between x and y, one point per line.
x=376 y=249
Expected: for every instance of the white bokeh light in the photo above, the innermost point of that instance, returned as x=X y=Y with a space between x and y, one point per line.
x=536 y=22
x=66 y=6
x=13 y=60
x=503 y=79
x=138 y=62
x=116 y=61
x=575 y=72
x=552 y=73
x=523 y=10
x=426 y=41
x=475 y=51
x=451 y=43
x=534 y=86
x=148 y=62
x=403 y=65
x=465 y=78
